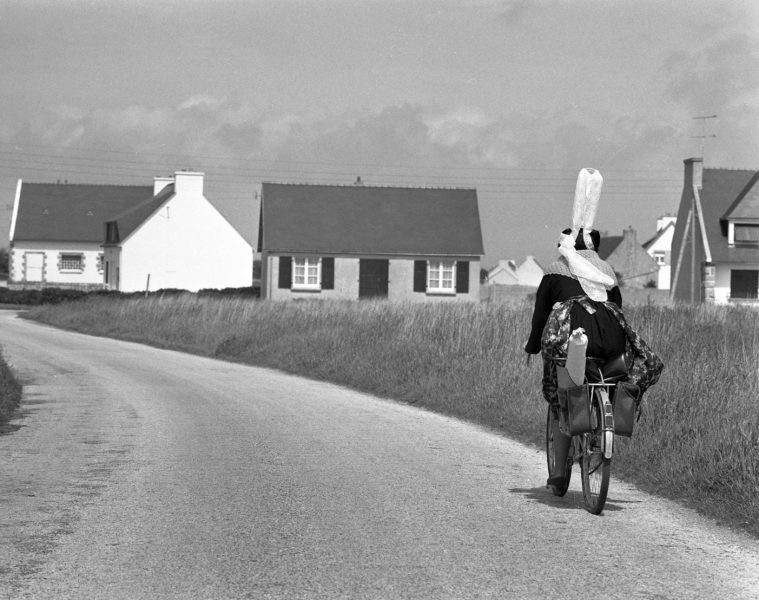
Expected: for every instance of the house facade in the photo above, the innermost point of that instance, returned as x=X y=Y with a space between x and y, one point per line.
x=659 y=248
x=715 y=246
x=56 y=232
x=175 y=239
x=362 y=242
x=633 y=265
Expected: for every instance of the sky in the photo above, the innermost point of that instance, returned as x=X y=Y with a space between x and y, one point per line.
x=509 y=97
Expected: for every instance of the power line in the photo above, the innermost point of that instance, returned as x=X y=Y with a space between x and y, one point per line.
x=365 y=165
x=138 y=170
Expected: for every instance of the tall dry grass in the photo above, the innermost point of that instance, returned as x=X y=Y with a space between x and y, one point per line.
x=696 y=441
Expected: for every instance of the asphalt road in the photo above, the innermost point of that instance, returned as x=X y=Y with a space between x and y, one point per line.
x=134 y=472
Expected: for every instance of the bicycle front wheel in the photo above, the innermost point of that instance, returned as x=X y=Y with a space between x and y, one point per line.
x=595 y=467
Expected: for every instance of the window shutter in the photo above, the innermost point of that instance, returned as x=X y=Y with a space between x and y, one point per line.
x=462 y=277
x=420 y=275
x=328 y=273
x=285 y=272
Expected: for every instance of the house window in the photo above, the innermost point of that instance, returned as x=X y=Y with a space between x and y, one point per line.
x=306 y=273
x=100 y=262
x=298 y=273
x=71 y=263
x=747 y=234
x=441 y=277
x=659 y=257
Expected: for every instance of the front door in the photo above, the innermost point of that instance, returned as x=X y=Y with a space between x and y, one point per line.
x=34 y=263
x=372 y=277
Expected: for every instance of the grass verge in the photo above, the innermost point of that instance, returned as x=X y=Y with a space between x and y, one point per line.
x=697 y=441
x=10 y=391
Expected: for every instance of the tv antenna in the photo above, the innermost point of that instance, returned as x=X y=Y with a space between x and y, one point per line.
x=704 y=135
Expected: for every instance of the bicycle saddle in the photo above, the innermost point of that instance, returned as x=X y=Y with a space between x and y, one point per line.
x=612 y=369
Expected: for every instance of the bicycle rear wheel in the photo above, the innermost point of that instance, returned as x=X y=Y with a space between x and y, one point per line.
x=595 y=467
x=551 y=456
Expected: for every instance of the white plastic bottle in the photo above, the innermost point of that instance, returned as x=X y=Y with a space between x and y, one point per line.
x=576 y=351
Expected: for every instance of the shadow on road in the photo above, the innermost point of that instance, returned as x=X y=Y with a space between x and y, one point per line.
x=572 y=499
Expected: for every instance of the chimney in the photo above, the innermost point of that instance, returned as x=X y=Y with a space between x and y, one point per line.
x=694 y=171
x=161 y=182
x=188 y=182
x=665 y=220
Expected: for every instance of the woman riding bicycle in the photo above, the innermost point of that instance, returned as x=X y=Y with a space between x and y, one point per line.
x=579 y=274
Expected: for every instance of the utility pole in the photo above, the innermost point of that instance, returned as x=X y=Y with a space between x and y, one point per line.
x=697 y=223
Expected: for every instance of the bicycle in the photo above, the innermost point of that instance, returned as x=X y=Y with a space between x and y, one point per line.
x=593 y=449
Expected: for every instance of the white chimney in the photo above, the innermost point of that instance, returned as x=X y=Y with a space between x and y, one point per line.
x=161 y=182
x=665 y=220
x=188 y=182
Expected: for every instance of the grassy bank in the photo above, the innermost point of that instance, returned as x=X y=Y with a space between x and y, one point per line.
x=10 y=391
x=697 y=441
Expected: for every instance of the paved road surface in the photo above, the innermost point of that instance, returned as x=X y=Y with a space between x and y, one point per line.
x=140 y=473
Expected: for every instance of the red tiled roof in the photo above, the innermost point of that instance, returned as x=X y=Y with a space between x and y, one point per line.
x=369 y=220
x=71 y=212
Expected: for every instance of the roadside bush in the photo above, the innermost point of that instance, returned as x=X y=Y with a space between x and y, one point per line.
x=49 y=295
x=55 y=295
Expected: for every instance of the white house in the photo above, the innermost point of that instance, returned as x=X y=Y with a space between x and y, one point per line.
x=56 y=232
x=659 y=248
x=507 y=272
x=530 y=273
x=504 y=273
x=357 y=241
x=175 y=239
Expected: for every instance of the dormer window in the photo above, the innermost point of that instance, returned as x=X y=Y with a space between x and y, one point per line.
x=746 y=233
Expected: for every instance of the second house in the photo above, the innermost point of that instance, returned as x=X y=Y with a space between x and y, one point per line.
x=356 y=241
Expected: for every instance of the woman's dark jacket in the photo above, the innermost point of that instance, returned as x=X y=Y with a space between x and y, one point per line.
x=606 y=337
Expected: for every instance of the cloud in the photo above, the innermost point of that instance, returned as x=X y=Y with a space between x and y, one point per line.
x=407 y=140
x=718 y=75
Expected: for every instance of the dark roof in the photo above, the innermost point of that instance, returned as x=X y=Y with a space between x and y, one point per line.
x=133 y=217
x=71 y=212
x=658 y=234
x=608 y=245
x=369 y=220
x=720 y=189
x=746 y=205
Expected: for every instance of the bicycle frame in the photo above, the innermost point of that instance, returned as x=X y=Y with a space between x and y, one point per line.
x=601 y=391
